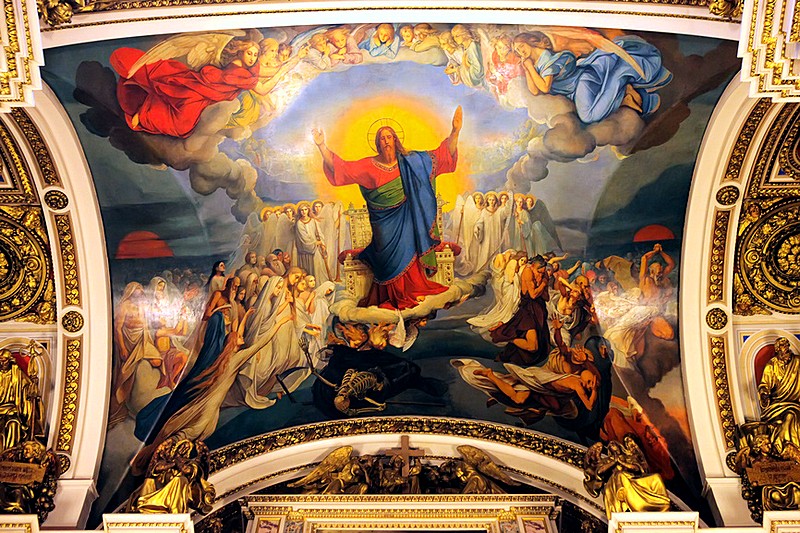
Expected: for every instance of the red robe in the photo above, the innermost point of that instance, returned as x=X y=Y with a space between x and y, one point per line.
x=168 y=96
x=402 y=291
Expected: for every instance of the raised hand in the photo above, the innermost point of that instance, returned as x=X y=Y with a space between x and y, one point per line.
x=318 y=135
x=458 y=119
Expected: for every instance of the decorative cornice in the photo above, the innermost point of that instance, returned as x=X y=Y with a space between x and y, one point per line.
x=557 y=449
x=22 y=55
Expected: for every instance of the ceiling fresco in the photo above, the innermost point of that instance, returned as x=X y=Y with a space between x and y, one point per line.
x=473 y=221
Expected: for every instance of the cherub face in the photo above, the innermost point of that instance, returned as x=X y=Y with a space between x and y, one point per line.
x=284 y=55
x=407 y=34
x=250 y=56
x=384 y=34
x=501 y=48
x=269 y=57
x=339 y=38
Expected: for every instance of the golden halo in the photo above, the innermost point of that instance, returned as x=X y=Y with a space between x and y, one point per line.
x=378 y=124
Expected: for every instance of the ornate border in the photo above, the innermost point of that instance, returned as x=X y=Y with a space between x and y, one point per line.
x=719 y=371
x=716 y=274
x=69 y=402
x=295 y=9
x=34 y=137
x=563 y=451
x=745 y=138
x=71 y=288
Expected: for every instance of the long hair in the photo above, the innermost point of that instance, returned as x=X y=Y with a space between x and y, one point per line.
x=535 y=39
x=214 y=271
x=233 y=50
x=398 y=146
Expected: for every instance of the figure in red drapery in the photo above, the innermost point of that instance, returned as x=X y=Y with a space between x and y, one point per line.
x=166 y=97
x=399 y=190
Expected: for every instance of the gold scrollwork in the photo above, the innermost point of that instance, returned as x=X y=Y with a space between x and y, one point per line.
x=719 y=370
x=719 y=240
x=727 y=9
x=64 y=463
x=745 y=139
x=37 y=144
x=539 y=443
x=72 y=321
x=717 y=318
x=69 y=406
x=69 y=262
x=768 y=253
x=56 y=200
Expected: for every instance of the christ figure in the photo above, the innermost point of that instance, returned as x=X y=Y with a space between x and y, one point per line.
x=398 y=187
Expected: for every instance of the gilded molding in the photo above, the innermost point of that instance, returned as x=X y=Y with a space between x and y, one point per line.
x=745 y=138
x=719 y=240
x=719 y=370
x=563 y=451
x=25 y=527
x=176 y=3
x=22 y=54
x=69 y=262
x=37 y=144
x=637 y=526
x=69 y=403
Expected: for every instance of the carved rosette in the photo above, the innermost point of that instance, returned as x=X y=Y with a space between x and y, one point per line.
x=768 y=257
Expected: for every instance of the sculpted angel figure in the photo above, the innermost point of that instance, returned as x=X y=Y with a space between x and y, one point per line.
x=164 y=96
x=338 y=473
x=624 y=478
x=479 y=473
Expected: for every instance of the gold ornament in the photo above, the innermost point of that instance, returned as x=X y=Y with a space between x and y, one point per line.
x=717 y=318
x=176 y=480
x=727 y=9
x=768 y=451
x=728 y=195
x=72 y=321
x=56 y=200
x=28 y=471
x=623 y=477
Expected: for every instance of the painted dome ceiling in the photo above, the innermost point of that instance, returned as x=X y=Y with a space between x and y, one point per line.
x=301 y=227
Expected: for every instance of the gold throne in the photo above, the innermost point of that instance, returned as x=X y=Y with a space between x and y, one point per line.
x=358 y=276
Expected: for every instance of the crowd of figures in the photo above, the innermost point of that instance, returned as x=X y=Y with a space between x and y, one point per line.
x=564 y=330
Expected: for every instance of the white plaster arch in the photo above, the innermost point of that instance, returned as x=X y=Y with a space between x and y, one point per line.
x=76 y=488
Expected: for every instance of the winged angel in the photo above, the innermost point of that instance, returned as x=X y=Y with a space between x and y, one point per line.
x=598 y=73
x=165 y=90
x=338 y=473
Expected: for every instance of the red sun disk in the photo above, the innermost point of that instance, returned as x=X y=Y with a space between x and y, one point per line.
x=653 y=232
x=142 y=245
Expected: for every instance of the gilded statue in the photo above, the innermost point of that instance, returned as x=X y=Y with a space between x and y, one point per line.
x=624 y=478
x=779 y=396
x=176 y=480
x=20 y=403
x=343 y=473
x=33 y=486
x=339 y=473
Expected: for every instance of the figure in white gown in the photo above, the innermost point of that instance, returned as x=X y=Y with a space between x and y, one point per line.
x=311 y=249
x=506 y=287
x=468 y=234
x=257 y=384
x=492 y=224
x=330 y=220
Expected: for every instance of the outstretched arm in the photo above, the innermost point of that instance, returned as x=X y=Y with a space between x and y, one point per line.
x=327 y=156
x=452 y=140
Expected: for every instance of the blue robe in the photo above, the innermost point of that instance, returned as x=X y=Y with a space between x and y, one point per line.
x=150 y=419
x=597 y=83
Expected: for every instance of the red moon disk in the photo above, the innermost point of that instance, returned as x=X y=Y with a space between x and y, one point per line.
x=653 y=232
x=142 y=245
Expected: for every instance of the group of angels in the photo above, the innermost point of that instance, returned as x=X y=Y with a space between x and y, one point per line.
x=166 y=89
x=484 y=224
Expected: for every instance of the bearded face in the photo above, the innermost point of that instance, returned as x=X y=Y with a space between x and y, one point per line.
x=386 y=144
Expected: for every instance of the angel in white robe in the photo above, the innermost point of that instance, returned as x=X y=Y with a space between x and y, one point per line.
x=309 y=244
x=469 y=234
x=330 y=219
x=505 y=284
x=491 y=222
